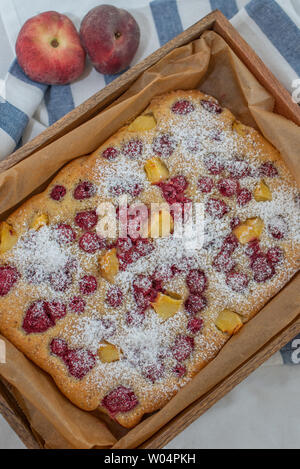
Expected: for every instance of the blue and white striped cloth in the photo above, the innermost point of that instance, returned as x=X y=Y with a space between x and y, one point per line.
x=271 y=27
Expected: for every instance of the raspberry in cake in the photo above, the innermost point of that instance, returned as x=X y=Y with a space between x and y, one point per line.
x=121 y=322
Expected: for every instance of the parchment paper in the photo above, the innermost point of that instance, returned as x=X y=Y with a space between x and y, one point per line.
x=209 y=64
x=279 y=312
x=51 y=414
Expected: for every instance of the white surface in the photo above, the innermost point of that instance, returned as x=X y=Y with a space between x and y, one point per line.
x=262 y=412
x=8 y=438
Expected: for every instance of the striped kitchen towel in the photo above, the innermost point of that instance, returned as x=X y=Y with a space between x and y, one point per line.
x=271 y=27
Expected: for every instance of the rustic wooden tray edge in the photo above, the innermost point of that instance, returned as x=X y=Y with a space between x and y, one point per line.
x=12 y=413
x=284 y=106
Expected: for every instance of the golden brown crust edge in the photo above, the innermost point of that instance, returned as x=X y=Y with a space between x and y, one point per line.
x=12 y=306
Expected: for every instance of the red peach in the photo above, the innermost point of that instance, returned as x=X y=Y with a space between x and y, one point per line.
x=111 y=37
x=48 y=49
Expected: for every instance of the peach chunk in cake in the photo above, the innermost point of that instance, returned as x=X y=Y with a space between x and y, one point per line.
x=122 y=323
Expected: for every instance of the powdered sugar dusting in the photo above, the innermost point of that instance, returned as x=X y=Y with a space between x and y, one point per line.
x=198 y=144
x=40 y=251
x=122 y=176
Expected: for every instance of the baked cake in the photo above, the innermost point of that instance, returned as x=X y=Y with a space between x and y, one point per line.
x=122 y=324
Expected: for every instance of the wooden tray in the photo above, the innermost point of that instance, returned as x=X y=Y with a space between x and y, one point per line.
x=217 y=22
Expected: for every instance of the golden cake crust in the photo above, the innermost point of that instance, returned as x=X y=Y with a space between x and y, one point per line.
x=88 y=392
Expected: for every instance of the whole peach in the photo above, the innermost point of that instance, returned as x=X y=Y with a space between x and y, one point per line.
x=111 y=37
x=48 y=49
